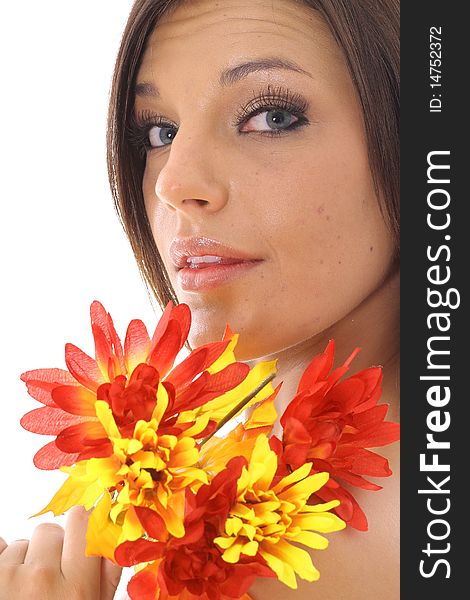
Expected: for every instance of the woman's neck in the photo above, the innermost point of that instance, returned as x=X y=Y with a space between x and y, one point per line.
x=373 y=326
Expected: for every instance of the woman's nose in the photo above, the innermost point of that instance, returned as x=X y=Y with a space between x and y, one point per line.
x=191 y=181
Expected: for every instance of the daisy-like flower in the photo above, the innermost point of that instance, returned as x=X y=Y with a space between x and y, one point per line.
x=125 y=421
x=240 y=526
x=332 y=424
x=266 y=518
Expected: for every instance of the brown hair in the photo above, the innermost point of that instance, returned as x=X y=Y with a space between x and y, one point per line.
x=368 y=33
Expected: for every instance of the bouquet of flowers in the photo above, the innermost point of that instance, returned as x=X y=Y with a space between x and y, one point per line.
x=197 y=514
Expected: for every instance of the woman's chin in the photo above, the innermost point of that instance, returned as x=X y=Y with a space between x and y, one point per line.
x=256 y=339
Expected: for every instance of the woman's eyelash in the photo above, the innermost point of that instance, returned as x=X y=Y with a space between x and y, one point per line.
x=138 y=128
x=273 y=98
x=279 y=98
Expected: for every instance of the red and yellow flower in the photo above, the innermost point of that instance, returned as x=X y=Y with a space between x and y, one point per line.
x=332 y=424
x=129 y=421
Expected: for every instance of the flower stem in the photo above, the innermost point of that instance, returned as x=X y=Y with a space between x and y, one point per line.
x=239 y=407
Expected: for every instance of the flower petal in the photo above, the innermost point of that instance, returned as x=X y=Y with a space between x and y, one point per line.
x=348 y=510
x=76 y=400
x=304 y=488
x=50 y=457
x=296 y=476
x=40 y=383
x=184 y=373
x=265 y=414
x=73 y=492
x=83 y=367
x=228 y=378
x=296 y=558
x=151 y=521
x=107 y=343
x=48 y=420
x=164 y=354
x=285 y=573
x=318 y=368
x=74 y=438
x=169 y=337
x=311 y=539
x=102 y=534
x=133 y=553
x=143 y=585
x=136 y=344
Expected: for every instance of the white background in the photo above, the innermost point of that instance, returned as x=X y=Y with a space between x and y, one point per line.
x=61 y=243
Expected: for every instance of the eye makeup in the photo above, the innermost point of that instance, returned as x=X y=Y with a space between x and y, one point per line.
x=275 y=99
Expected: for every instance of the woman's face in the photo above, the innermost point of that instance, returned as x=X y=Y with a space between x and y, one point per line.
x=271 y=162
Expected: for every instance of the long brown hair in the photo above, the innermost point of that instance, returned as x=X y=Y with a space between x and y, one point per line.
x=368 y=33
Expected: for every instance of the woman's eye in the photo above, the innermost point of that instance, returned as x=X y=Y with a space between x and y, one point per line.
x=270 y=120
x=160 y=136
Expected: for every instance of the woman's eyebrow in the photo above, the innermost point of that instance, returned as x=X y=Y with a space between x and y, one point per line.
x=233 y=74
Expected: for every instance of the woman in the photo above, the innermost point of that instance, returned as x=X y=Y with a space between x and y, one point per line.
x=253 y=156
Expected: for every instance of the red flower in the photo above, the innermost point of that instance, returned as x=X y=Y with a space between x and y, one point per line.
x=331 y=424
x=192 y=566
x=131 y=380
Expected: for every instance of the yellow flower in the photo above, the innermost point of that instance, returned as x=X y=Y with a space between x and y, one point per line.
x=147 y=470
x=266 y=518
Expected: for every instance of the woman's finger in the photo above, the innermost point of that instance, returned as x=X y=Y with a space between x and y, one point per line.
x=45 y=547
x=14 y=553
x=75 y=565
x=110 y=576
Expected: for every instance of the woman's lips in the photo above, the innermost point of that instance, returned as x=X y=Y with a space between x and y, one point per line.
x=193 y=279
x=203 y=263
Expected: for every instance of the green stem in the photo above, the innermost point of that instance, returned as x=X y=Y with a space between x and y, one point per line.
x=238 y=407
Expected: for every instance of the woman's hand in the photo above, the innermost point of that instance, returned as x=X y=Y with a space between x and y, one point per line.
x=53 y=565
